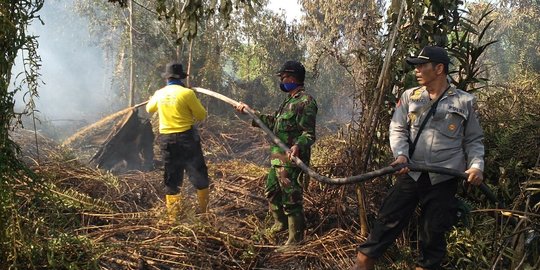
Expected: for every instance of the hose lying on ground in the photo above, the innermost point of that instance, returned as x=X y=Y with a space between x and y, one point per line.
x=352 y=179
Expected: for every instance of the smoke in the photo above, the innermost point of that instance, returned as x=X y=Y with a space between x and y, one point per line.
x=76 y=82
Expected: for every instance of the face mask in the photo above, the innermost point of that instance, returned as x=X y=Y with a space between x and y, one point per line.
x=175 y=81
x=287 y=87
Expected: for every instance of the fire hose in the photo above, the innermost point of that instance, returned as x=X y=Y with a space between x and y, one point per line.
x=352 y=179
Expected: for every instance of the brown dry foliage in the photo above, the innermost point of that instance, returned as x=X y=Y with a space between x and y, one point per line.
x=126 y=214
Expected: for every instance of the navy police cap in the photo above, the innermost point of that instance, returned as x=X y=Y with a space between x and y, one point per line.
x=433 y=54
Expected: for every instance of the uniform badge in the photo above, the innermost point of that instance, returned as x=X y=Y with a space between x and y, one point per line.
x=412 y=117
x=417 y=94
x=451 y=127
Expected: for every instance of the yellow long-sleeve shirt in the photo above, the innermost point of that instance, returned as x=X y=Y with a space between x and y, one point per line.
x=178 y=108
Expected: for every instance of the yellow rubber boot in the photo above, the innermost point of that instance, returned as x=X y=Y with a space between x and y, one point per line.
x=173 y=206
x=203 y=197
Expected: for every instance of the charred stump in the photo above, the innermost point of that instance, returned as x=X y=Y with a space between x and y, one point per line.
x=129 y=146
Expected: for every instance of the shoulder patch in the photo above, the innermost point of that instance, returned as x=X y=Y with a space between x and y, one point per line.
x=416 y=94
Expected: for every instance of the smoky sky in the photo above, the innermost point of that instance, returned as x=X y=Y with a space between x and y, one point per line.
x=74 y=70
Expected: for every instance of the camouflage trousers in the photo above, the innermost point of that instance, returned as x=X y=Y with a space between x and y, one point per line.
x=283 y=187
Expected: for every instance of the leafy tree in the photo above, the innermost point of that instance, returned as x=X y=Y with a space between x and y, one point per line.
x=15 y=16
x=259 y=46
x=232 y=54
x=510 y=118
x=332 y=30
x=16 y=234
x=349 y=32
x=29 y=238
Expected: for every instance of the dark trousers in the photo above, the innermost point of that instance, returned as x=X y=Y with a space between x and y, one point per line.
x=438 y=207
x=182 y=151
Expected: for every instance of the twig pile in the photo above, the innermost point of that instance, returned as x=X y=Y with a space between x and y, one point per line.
x=227 y=140
x=231 y=236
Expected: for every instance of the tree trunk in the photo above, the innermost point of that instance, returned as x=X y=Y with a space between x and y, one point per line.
x=372 y=120
x=131 y=59
x=190 y=57
x=362 y=213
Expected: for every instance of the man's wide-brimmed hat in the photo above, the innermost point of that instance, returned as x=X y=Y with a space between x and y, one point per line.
x=430 y=54
x=174 y=70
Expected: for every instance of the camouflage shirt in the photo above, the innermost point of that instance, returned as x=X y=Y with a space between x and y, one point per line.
x=294 y=123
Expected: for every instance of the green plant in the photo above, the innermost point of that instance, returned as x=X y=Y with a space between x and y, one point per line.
x=467 y=46
x=16 y=15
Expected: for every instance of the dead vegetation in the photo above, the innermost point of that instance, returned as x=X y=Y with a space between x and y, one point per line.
x=226 y=140
x=118 y=221
x=123 y=215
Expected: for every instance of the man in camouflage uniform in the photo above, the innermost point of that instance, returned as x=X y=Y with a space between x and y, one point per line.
x=294 y=124
x=435 y=125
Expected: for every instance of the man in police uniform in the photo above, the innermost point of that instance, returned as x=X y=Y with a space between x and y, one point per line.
x=451 y=137
x=294 y=124
x=180 y=145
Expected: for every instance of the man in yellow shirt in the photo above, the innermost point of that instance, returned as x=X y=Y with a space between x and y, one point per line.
x=178 y=109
